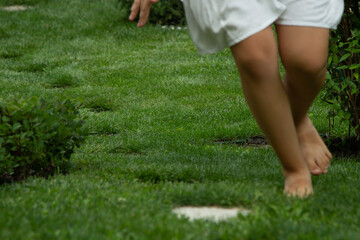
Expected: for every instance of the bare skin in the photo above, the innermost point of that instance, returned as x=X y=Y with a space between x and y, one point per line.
x=256 y=58
x=314 y=150
x=280 y=108
x=304 y=52
x=142 y=6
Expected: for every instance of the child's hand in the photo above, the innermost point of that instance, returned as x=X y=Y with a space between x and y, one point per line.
x=144 y=7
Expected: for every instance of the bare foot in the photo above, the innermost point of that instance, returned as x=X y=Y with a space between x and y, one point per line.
x=314 y=150
x=298 y=185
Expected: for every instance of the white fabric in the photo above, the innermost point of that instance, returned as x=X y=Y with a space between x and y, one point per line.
x=217 y=24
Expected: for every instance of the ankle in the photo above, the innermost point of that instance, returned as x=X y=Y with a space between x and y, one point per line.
x=298 y=173
x=304 y=127
x=302 y=121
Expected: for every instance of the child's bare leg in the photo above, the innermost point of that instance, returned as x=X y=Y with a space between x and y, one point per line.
x=303 y=51
x=256 y=58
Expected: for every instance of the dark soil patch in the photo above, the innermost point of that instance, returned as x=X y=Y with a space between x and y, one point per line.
x=338 y=146
x=344 y=146
x=98 y=108
x=255 y=141
x=110 y=133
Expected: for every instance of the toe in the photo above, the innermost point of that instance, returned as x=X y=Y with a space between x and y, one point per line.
x=327 y=162
x=299 y=193
x=326 y=151
x=316 y=171
x=323 y=163
x=314 y=168
x=329 y=156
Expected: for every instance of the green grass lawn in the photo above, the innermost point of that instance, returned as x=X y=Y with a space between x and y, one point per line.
x=156 y=111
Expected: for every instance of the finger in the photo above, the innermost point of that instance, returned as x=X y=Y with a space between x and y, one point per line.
x=144 y=13
x=134 y=10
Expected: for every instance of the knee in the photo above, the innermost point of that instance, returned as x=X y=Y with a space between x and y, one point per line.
x=257 y=63
x=308 y=66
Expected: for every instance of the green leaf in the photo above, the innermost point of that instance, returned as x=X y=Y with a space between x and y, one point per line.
x=354 y=66
x=5 y=119
x=343 y=67
x=337 y=89
x=353 y=50
x=330 y=59
x=335 y=59
x=346 y=56
x=16 y=126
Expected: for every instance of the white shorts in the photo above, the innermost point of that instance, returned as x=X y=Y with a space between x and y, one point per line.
x=217 y=24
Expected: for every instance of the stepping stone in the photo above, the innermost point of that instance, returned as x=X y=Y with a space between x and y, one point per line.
x=15 y=8
x=215 y=214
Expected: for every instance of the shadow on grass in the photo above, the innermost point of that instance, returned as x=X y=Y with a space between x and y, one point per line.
x=161 y=176
x=128 y=150
x=99 y=104
x=224 y=194
x=33 y=67
x=10 y=54
x=62 y=80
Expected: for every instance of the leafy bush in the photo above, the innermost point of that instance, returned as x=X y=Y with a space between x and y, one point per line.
x=37 y=138
x=343 y=85
x=164 y=12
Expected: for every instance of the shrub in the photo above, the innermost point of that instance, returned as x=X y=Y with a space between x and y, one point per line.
x=343 y=84
x=37 y=138
x=164 y=12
